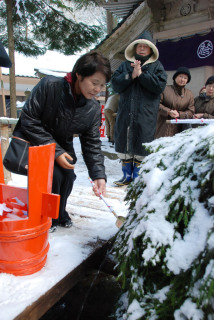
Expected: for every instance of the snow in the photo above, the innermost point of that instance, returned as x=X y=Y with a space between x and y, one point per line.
x=68 y=247
x=51 y=61
x=161 y=294
x=3 y=207
x=184 y=251
x=189 y=309
x=135 y=310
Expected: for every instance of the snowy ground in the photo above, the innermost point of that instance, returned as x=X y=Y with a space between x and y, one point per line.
x=68 y=247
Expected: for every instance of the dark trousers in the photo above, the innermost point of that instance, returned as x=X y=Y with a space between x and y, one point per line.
x=63 y=180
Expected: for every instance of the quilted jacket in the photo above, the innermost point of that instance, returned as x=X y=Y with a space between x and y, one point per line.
x=52 y=115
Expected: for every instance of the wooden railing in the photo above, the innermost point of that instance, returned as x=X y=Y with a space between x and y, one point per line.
x=5 y=135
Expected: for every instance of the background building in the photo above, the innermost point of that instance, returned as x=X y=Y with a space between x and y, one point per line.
x=183 y=24
x=24 y=84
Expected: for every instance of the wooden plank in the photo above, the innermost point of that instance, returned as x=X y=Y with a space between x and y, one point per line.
x=8 y=120
x=45 y=302
x=121 y=8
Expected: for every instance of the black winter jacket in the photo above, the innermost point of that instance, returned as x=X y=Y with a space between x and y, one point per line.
x=43 y=122
x=138 y=106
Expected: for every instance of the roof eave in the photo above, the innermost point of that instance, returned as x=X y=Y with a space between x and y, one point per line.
x=120 y=38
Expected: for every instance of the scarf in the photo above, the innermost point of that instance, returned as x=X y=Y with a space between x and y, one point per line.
x=69 y=79
x=205 y=97
x=178 y=89
x=141 y=58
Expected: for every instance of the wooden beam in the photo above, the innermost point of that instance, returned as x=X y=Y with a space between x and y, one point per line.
x=119 y=56
x=184 y=31
x=120 y=8
x=109 y=22
x=8 y=120
x=45 y=302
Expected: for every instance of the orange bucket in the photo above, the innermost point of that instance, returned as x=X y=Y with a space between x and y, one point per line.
x=24 y=228
x=24 y=252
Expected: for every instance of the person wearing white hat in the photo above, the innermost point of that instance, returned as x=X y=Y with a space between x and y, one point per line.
x=139 y=80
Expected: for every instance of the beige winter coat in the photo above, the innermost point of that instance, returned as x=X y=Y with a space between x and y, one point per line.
x=170 y=99
x=112 y=103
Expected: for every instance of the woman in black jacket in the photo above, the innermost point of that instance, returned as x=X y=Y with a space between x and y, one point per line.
x=57 y=109
x=139 y=82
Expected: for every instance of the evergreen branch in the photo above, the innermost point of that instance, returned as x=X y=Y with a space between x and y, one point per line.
x=185 y=206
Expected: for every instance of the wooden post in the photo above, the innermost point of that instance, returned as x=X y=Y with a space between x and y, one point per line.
x=3 y=96
x=4 y=146
x=4 y=122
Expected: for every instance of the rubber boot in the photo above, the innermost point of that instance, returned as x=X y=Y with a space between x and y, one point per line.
x=136 y=169
x=127 y=168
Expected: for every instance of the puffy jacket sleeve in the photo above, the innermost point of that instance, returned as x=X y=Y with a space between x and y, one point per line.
x=163 y=110
x=208 y=115
x=122 y=78
x=200 y=107
x=91 y=149
x=153 y=79
x=31 y=117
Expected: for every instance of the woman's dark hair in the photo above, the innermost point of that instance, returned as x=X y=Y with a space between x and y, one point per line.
x=90 y=63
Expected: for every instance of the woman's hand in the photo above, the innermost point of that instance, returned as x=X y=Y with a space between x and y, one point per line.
x=99 y=187
x=174 y=114
x=198 y=116
x=137 y=69
x=63 y=159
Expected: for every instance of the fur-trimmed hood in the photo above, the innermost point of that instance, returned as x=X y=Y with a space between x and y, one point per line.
x=146 y=38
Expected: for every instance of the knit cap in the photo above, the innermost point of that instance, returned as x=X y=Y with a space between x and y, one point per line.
x=182 y=70
x=210 y=80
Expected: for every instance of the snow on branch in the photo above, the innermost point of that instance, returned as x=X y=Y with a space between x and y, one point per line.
x=165 y=249
x=18 y=7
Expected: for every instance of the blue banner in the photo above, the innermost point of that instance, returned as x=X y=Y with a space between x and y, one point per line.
x=192 y=52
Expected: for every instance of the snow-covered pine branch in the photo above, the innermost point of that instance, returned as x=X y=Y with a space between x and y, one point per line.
x=18 y=7
x=165 y=250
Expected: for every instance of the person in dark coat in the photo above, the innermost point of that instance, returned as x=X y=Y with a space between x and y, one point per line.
x=139 y=81
x=77 y=112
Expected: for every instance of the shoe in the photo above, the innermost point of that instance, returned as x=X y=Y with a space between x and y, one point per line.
x=136 y=169
x=127 y=169
x=123 y=182
x=52 y=229
x=66 y=224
